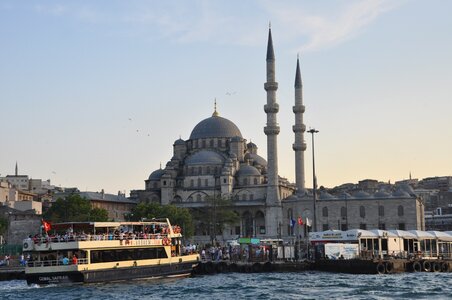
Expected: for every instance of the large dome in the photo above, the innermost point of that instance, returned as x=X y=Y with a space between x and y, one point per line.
x=205 y=157
x=215 y=126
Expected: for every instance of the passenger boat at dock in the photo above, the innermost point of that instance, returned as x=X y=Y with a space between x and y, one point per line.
x=85 y=252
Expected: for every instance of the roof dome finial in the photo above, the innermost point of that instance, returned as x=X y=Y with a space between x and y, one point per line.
x=215 y=113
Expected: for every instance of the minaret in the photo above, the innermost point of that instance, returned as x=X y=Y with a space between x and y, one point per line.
x=272 y=128
x=17 y=169
x=274 y=213
x=299 y=128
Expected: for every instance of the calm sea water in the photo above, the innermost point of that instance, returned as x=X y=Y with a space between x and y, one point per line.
x=305 y=285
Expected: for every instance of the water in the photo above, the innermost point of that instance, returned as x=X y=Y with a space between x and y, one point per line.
x=303 y=285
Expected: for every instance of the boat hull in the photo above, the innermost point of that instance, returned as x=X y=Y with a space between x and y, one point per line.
x=113 y=274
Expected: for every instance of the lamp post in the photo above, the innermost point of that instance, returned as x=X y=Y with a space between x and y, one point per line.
x=314 y=180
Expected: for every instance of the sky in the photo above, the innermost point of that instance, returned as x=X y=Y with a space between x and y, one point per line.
x=93 y=94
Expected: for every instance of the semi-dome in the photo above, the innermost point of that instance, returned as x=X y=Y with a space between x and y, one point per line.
x=247 y=170
x=179 y=142
x=215 y=126
x=361 y=194
x=205 y=157
x=156 y=175
x=257 y=160
x=382 y=194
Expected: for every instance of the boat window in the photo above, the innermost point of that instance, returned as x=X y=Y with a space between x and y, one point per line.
x=99 y=256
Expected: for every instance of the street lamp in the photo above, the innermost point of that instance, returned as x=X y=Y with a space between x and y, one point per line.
x=314 y=180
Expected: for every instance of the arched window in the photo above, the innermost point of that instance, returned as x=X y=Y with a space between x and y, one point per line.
x=255 y=181
x=204 y=143
x=251 y=197
x=192 y=183
x=199 y=170
x=325 y=211
x=244 y=197
x=198 y=197
x=208 y=170
x=343 y=211
x=206 y=182
x=381 y=210
x=211 y=143
x=362 y=211
x=400 y=211
x=199 y=182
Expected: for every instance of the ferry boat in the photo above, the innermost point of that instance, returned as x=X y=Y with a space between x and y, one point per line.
x=85 y=252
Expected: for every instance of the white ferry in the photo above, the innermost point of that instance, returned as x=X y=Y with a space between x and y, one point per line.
x=107 y=251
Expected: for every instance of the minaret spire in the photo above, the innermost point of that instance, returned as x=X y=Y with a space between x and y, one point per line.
x=273 y=200
x=215 y=113
x=299 y=128
x=17 y=169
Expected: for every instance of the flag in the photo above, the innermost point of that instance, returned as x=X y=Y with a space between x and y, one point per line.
x=292 y=222
x=300 y=221
x=46 y=225
x=308 y=222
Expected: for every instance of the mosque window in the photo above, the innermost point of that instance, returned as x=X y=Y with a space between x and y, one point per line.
x=362 y=212
x=198 y=197
x=343 y=212
x=204 y=143
x=236 y=197
x=199 y=182
x=224 y=180
x=325 y=211
x=164 y=182
x=211 y=143
x=400 y=211
x=192 y=183
x=251 y=197
x=199 y=170
x=381 y=211
x=244 y=197
x=208 y=170
x=206 y=182
x=255 y=181
x=220 y=143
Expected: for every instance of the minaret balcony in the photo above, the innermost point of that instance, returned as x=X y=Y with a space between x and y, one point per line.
x=299 y=147
x=271 y=108
x=271 y=130
x=298 y=109
x=271 y=86
x=299 y=128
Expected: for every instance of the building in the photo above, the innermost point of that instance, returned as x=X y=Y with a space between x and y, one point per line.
x=216 y=161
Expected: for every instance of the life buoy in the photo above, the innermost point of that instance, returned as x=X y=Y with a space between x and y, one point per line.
x=417 y=266
x=166 y=241
x=445 y=267
x=436 y=267
x=381 y=268
x=427 y=266
x=389 y=267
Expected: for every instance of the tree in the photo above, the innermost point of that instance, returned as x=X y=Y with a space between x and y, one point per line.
x=74 y=208
x=216 y=215
x=176 y=215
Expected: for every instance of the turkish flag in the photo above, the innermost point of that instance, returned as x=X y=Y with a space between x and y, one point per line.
x=300 y=221
x=46 y=225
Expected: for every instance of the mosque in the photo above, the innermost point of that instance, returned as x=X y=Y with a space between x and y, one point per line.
x=216 y=161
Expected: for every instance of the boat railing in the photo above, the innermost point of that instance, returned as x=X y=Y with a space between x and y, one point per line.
x=96 y=237
x=53 y=263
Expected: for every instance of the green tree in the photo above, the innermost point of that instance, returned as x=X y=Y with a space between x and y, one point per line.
x=215 y=216
x=74 y=208
x=176 y=215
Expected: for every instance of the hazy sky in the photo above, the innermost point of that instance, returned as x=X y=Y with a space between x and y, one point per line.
x=93 y=94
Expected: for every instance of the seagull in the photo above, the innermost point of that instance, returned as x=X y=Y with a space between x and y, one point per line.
x=231 y=93
x=130 y=119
